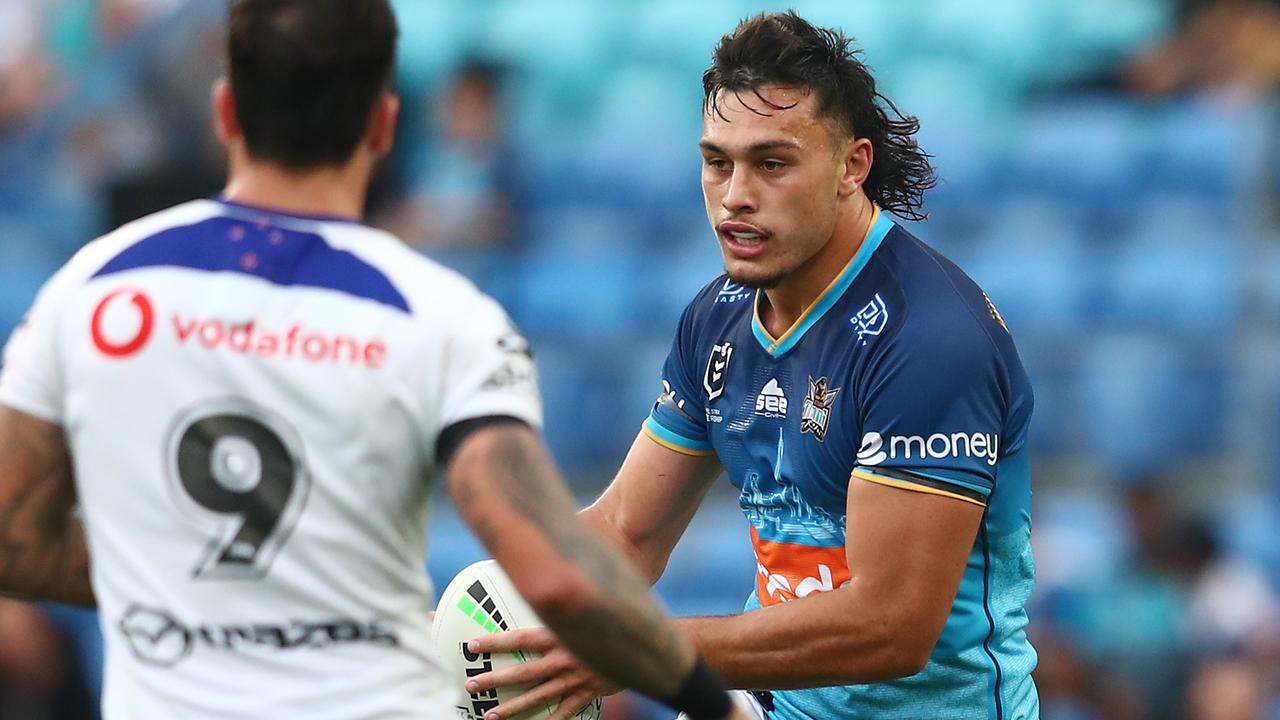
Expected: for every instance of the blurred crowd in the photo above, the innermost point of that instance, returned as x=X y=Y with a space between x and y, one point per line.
x=1110 y=173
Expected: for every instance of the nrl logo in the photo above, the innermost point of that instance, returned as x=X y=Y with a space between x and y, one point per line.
x=817 y=408
x=717 y=364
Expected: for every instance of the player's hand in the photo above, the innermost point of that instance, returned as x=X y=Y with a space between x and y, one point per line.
x=556 y=676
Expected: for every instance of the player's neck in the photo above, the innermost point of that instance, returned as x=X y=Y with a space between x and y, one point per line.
x=789 y=299
x=325 y=192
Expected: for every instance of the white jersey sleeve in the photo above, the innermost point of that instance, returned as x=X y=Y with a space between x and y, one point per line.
x=489 y=371
x=30 y=380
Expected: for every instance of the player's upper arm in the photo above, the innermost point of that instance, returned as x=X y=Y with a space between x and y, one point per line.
x=670 y=465
x=907 y=553
x=42 y=554
x=36 y=484
x=936 y=403
x=936 y=407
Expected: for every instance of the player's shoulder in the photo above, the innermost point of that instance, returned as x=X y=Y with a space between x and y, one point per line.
x=101 y=250
x=938 y=299
x=362 y=253
x=93 y=256
x=436 y=295
x=430 y=288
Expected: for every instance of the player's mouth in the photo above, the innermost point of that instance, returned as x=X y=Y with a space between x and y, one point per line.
x=745 y=241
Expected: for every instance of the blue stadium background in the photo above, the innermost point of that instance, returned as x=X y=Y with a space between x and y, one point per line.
x=1131 y=241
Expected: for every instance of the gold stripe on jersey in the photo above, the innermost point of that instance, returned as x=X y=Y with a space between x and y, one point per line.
x=904 y=485
x=672 y=446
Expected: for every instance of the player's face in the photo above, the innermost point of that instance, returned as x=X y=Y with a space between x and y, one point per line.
x=771 y=181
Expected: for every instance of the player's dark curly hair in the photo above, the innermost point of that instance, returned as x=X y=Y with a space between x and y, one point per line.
x=785 y=49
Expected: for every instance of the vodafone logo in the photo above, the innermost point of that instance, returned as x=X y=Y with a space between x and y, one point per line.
x=122 y=323
x=125 y=320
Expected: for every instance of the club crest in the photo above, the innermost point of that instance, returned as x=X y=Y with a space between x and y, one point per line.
x=817 y=408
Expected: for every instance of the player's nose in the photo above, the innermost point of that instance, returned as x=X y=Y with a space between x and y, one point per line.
x=739 y=196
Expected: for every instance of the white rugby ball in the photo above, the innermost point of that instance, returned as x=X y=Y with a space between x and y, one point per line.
x=481 y=599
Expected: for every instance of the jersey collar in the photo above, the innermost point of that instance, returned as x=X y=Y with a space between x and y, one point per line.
x=222 y=200
x=880 y=227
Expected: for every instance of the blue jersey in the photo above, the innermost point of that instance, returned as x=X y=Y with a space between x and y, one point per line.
x=902 y=373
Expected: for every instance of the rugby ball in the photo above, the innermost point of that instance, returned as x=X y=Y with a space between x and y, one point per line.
x=481 y=599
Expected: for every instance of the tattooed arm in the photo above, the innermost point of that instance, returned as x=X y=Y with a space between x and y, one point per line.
x=42 y=547
x=508 y=489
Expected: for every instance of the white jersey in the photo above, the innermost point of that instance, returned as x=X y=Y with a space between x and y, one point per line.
x=252 y=402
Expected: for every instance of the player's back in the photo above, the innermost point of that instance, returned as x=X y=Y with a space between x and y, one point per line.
x=252 y=401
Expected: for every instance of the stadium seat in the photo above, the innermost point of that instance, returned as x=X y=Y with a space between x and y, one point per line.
x=1178 y=269
x=1150 y=400
x=1029 y=260
x=1084 y=150
x=25 y=264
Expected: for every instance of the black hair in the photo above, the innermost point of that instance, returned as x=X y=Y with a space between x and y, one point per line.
x=306 y=75
x=785 y=49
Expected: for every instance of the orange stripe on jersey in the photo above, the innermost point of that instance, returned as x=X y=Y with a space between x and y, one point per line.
x=786 y=571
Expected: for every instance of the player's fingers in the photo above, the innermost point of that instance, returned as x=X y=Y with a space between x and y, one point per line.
x=531 y=639
x=544 y=694
x=525 y=673
x=572 y=703
x=562 y=660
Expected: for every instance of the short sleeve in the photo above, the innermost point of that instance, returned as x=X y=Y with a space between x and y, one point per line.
x=678 y=420
x=30 y=380
x=489 y=370
x=933 y=413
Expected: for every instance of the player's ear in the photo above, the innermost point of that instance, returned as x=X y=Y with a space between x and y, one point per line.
x=382 y=125
x=857 y=156
x=225 y=122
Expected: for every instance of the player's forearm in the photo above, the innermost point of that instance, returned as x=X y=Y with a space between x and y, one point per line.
x=648 y=506
x=599 y=606
x=649 y=559
x=820 y=640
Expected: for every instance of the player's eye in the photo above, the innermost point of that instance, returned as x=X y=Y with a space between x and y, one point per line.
x=772 y=165
x=716 y=163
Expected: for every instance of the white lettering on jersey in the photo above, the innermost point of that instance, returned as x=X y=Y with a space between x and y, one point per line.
x=771 y=402
x=983 y=446
x=779 y=587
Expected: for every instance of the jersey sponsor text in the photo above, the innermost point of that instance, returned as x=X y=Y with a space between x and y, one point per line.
x=983 y=446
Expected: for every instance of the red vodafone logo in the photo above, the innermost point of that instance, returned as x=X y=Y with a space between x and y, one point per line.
x=115 y=333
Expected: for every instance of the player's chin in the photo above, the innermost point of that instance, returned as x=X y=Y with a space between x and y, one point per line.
x=752 y=274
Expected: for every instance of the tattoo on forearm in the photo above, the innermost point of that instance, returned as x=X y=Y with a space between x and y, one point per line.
x=42 y=548
x=624 y=614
